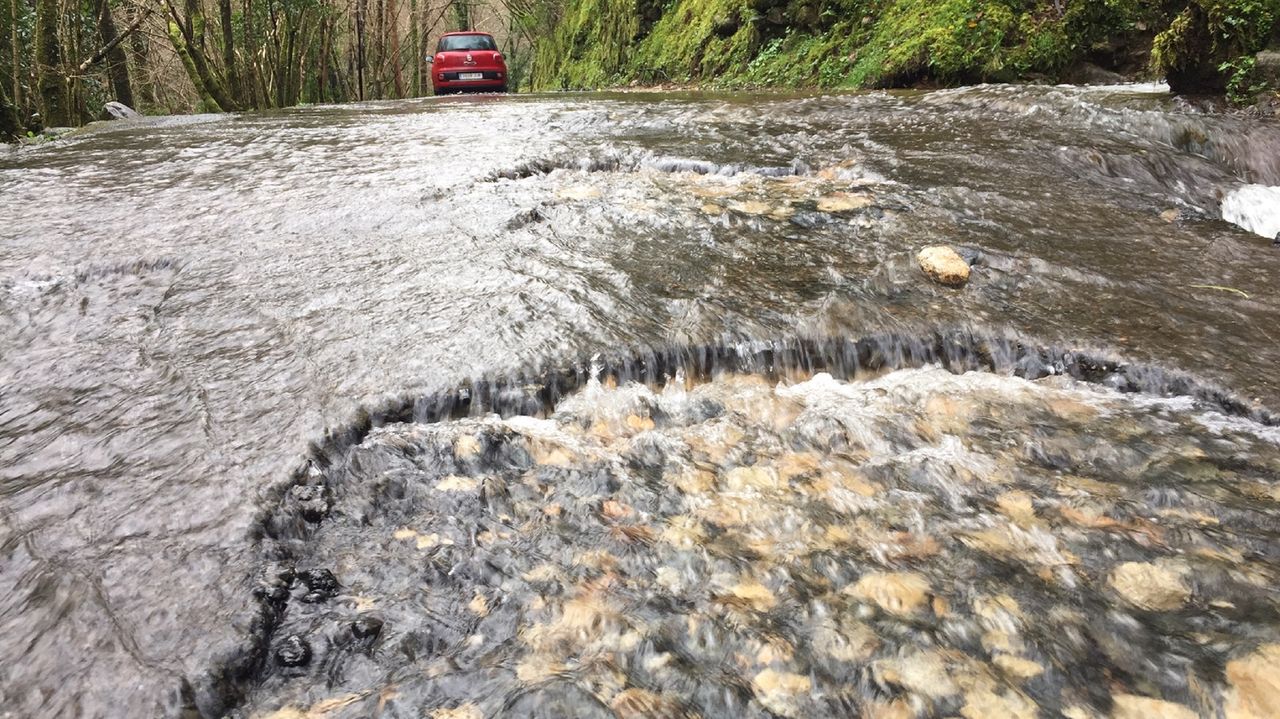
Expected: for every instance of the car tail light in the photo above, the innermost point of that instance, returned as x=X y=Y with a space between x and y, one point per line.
x=497 y=56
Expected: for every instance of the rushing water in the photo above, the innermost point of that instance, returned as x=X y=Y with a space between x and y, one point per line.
x=224 y=338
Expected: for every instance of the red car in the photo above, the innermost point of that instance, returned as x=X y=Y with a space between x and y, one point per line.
x=467 y=61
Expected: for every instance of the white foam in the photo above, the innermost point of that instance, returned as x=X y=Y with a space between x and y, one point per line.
x=1255 y=208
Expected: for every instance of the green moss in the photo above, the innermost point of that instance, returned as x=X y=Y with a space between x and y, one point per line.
x=588 y=46
x=207 y=103
x=1207 y=47
x=1046 y=45
x=697 y=38
x=1178 y=45
x=951 y=40
x=883 y=43
x=800 y=59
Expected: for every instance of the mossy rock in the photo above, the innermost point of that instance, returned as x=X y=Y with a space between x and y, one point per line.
x=1210 y=44
x=1201 y=46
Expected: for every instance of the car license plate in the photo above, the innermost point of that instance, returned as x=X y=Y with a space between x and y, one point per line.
x=471 y=76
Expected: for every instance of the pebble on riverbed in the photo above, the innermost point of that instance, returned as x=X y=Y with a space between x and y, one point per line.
x=293 y=651
x=944 y=265
x=1154 y=587
x=744 y=548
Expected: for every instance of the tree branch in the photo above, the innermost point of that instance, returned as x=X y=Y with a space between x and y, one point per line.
x=103 y=51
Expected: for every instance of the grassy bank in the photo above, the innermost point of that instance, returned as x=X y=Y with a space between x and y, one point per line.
x=1201 y=46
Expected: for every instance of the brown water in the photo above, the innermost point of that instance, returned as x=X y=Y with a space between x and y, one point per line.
x=187 y=305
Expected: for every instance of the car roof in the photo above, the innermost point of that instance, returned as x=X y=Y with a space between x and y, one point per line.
x=465 y=32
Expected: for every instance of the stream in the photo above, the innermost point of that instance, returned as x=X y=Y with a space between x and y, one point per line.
x=638 y=405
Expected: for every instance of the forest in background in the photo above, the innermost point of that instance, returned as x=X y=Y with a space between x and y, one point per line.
x=62 y=60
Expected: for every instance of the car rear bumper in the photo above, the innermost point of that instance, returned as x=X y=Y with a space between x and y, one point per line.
x=453 y=75
x=492 y=79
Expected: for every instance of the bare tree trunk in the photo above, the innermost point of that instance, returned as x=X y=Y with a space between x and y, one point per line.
x=55 y=103
x=117 y=65
x=379 y=50
x=360 y=11
x=189 y=42
x=393 y=20
x=252 y=72
x=415 y=47
x=7 y=56
x=322 y=83
x=424 y=72
x=68 y=27
x=181 y=47
x=10 y=130
x=311 y=39
x=234 y=85
x=102 y=52
x=16 y=50
x=141 y=47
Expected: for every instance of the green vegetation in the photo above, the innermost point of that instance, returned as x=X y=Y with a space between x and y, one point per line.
x=1200 y=45
x=589 y=47
x=1210 y=45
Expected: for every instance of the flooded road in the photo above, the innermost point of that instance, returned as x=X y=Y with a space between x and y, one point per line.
x=203 y=317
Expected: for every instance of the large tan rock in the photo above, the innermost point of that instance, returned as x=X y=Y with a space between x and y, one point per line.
x=944 y=266
x=466 y=711
x=900 y=593
x=844 y=202
x=781 y=692
x=753 y=595
x=926 y=673
x=1132 y=706
x=984 y=703
x=756 y=477
x=1255 y=684
x=643 y=704
x=1154 y=587
x=1017 y=666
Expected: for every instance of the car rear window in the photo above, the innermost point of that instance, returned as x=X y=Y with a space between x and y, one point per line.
x=466 y=42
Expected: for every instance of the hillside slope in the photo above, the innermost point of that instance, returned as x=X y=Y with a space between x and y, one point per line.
x=1202 y=46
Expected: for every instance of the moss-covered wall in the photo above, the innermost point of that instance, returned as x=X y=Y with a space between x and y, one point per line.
x=1209 y=46
x=1201 y=45
x=588 y=45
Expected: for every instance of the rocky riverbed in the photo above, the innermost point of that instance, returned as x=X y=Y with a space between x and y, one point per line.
x=918 y=543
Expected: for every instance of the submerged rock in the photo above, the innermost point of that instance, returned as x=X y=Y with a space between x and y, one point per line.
x=1132 y=706
x=1017 y=666
x=844 y=202
x=312 y=501
x=944 y=265
x=781 y=692
x=643 y=704
x=900 y=593
x=1267 y=68
x=1255 y=684
x=320 y=585
x=293 y=651
x=1154 y=587
x=366 y=628
x=985 y=703
x=465 y=711
x=631 y=556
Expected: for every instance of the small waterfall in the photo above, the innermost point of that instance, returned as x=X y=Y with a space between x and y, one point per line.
x=811 y=505
x=1256 y=208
